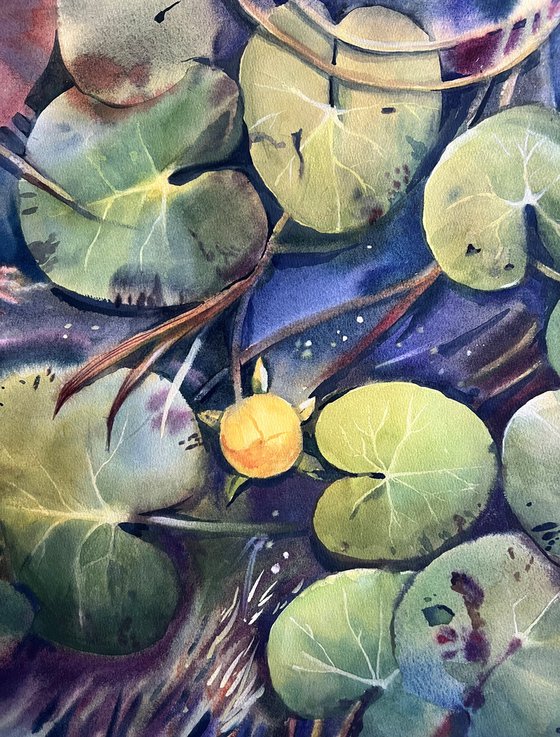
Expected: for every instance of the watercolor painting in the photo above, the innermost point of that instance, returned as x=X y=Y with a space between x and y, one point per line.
x=280 y=368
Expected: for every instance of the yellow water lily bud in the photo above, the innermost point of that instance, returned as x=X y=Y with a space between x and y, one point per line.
x=261 y=436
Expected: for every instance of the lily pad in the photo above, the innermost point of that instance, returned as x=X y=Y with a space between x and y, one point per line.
x=499 y=656
x=477 y=195
x=553 y=338
x=423 y=466
x=126 y=52
x=531 y=461
x=155 y=243
x=332 y=643
x=335 y=155
x=400 y=714
x=64 y=496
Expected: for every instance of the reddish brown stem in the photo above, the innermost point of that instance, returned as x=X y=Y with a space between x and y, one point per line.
x=393 y=316
x=133 y=378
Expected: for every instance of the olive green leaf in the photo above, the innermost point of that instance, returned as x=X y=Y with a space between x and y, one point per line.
x=531 y=463
x=477 y=195
x=336 y=156
x=422 y=465
x=333 y=642
x=64 y=495
x=153 y=243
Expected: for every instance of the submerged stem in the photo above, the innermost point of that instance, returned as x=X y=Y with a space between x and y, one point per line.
x=508 y=62
x=217 y=527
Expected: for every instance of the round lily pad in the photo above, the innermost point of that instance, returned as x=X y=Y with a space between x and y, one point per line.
x=64 y=496
x=498 y=654
x=553 y=338
x=333 y=642
x=336 y=155
x=150 y=242
x=126 y=52
x=422 y=468
x=531 y=461
x=477 y=195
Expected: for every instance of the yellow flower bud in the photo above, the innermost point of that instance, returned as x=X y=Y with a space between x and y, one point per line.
x=261 y=436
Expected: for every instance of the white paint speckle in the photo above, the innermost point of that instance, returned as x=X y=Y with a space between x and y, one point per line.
x=65 y=336
x=338 y=332
x=420 y=330
x=275 y=513
x=275 y=568
x=344 y=338
x=285 y=555
x=308 y=343
x=441 y=372
x=333 y=344
x=68 y=325
x=359 y=319
x=95 y=327
x=369 y=247
x=469 y=353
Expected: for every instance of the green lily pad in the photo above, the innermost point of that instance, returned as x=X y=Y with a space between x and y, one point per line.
x=16 y=616
x=400 y=714
x=553 y=338
x=476 y=197
x=422 y=465
x=156 y=243
x=332 y=643
x=531 y=461
x=65 y=495
x=335 y=155
x=499 y=656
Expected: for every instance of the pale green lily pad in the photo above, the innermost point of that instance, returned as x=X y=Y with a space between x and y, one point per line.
x=64 y=495
x=475 y=198
x=423 y=468
x=531 y=461
x=498 y=656
x=157 y=243
x=337 y=156
x=332 y=643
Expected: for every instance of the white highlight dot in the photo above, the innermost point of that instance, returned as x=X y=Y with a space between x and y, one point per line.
x=344 y=338
x=308 y=343
x=65 y=336
x=95 y=327
x=285 y=555
x=68 y=325
x=275 y=513
x=275 y=568
x=360 y=319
